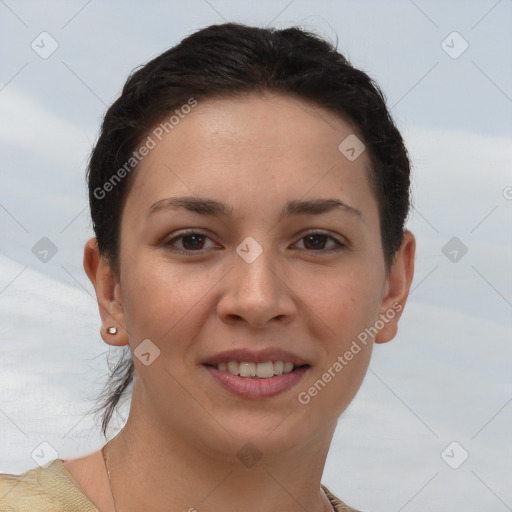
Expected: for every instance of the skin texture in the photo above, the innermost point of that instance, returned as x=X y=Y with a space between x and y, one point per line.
x=179 y=447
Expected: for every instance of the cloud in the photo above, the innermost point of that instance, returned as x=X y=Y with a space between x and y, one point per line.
x=37 y=132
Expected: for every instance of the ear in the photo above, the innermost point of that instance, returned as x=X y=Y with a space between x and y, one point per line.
x=108 y=294
x=397 y=288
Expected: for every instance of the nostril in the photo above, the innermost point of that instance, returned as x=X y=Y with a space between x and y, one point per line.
x=235 y=317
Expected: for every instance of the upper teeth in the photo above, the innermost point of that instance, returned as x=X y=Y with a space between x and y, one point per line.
x=262 y=370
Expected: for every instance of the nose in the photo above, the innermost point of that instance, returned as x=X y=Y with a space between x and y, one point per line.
x=256 y=294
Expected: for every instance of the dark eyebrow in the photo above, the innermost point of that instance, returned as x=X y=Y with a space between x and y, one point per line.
x=316 y=207
x=193 y=204
x=211 y=207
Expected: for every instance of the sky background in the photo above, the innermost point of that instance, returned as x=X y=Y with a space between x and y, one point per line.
x=445 y=378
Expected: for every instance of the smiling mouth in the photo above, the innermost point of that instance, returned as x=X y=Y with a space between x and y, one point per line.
x=263 y=370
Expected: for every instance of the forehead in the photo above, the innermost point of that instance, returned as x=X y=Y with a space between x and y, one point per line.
x=256 y=124
x=252 y=145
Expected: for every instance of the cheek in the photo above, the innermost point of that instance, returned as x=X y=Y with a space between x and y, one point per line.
x=347 y=300
x=158 y=297
x=336 y=382
x=351 y=306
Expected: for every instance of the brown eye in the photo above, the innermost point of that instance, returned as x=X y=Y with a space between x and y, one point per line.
x=193 y=242
x=320 y=242
x=190 y=242
x=315 y=242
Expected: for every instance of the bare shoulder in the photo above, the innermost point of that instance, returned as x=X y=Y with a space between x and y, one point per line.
x=84 y=468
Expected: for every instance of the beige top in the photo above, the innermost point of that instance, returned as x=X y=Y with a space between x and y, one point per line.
x=54 y=490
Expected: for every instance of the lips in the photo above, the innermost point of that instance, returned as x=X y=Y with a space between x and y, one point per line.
x=253 y=356
x=256 y=375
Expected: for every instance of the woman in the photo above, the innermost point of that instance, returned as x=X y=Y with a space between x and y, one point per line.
x=248 y=194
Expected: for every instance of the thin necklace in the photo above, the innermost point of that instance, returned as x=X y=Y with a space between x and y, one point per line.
x=108 y=475
x=331 y=507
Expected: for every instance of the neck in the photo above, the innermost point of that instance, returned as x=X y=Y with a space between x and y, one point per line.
x=156 y=469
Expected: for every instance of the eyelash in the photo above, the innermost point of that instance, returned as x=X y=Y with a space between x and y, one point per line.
x=338 y=247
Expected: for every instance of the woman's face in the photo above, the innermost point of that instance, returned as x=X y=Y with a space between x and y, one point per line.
x=249 y=237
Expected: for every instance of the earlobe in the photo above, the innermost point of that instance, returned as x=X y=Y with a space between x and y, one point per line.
x=397 y=289
x=108 y=294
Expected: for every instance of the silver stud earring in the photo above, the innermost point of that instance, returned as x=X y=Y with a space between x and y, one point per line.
x=112 y=330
